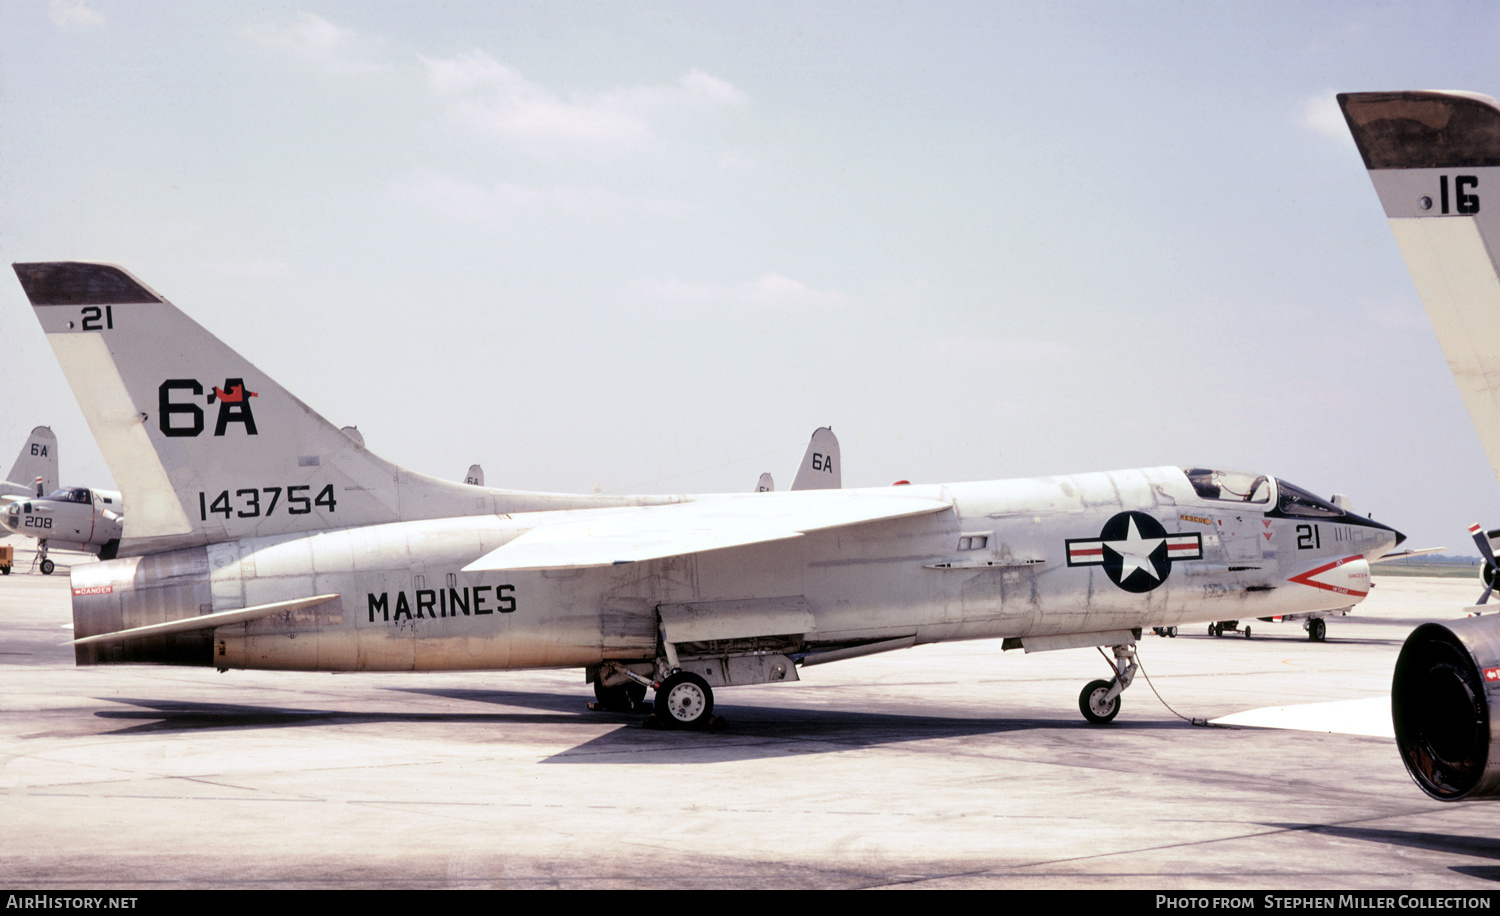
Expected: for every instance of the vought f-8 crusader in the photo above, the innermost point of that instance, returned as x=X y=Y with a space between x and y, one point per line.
x=261 y=536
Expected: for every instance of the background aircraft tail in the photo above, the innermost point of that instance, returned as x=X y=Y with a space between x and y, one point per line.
x=38 y=459
x=207 y=448
x=822 y=466
x=1434 y=158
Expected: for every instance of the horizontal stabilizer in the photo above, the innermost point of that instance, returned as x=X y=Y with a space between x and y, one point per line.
x=615 y=536
x=205 y=621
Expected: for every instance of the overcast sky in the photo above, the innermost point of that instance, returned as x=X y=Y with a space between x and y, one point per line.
x=650 y=247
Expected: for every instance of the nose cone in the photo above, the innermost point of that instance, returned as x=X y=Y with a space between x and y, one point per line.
x=10 y=518
x=1390 y=539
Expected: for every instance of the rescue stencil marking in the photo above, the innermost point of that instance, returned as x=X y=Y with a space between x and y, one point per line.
x=1135 y=551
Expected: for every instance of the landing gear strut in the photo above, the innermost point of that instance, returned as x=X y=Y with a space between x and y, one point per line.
x=41 y=553
x=1100 y=700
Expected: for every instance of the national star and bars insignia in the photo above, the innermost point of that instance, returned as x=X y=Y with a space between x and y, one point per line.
x=1135 y=551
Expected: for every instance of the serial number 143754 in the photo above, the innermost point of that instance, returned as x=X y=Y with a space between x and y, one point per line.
x=254 y=502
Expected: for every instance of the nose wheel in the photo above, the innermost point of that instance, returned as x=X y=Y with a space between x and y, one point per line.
x=1100 y=700
x=1096 y=704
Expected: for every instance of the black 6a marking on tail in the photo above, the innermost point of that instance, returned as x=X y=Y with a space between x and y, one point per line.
x=180 y=418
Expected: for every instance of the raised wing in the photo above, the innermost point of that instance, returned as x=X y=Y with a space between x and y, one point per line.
x=613 y=536
x=1434 y=158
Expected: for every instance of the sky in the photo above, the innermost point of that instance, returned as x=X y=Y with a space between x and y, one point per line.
x=649 y=247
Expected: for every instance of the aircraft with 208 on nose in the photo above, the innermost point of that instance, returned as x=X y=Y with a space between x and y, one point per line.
x=260 y=536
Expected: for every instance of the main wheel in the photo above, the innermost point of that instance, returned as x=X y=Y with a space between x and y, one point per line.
x=1091 y=703
x=1247 y=632
x=622 y=698
x=47 y=567
x=684 y=700
x=1172 y=632
x=1316 y=629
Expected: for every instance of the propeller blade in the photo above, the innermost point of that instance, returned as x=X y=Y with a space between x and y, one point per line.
x=1482 y=541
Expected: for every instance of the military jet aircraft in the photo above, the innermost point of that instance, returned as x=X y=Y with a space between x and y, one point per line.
x=1434 y=157
x=35 y=470
x=260 y=536
x=821 y=467
x=68 y=518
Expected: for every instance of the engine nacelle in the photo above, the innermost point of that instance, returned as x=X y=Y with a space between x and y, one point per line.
x=136 y=591
x=1447 y=680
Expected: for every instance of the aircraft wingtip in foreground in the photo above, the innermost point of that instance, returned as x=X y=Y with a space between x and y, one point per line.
x=1434 y=158
x=262 y=536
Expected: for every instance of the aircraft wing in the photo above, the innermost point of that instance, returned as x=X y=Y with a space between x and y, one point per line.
x=1403 y=554
x=614 y=536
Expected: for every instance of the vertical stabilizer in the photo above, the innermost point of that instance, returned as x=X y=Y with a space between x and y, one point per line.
x=822 y=465
x=205 y=446
x=36 y=462
x=1434 y=158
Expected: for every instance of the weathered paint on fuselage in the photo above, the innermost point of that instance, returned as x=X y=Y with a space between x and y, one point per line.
x=406 y=604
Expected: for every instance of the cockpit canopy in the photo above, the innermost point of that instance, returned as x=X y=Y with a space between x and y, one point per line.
x=1231 y=486
x=1298 y=502
x=1258 y=489
x=71 y=495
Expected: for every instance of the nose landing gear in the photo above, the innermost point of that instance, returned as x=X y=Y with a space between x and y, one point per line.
x=1100 y=700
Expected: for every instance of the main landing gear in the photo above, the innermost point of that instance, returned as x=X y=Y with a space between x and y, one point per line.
x=1100 y=700
x=627 y=697
x=683 y=699
x=1227 y=626
x=1316 y=629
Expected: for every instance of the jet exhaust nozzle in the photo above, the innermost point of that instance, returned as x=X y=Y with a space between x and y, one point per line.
x=1446 y=682
x=117 y=595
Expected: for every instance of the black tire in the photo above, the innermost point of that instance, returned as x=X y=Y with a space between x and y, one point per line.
x=684 y=700
x=1172 y=632
x=5 y=570
x=47 y=567
x=1095 y=711
x=1317 y=630
x=1247 y=632
x=622 y=698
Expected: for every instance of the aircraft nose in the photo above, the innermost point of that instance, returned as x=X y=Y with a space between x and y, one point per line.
x=1395 y=536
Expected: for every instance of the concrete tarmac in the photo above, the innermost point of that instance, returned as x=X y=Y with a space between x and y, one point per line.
x=949 y=766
